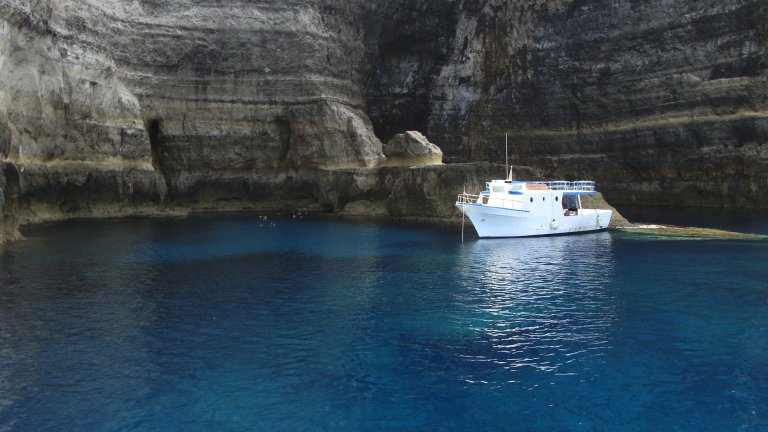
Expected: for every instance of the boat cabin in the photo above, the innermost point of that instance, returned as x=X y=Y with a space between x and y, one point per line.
x=536 y=197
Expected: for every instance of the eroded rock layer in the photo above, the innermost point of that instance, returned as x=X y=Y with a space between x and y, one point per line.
x=661 y=102
x=116 y=107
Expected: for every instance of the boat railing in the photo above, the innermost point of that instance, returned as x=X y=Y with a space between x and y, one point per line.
x=465 y=198
x=568 y=186
x=486 y=199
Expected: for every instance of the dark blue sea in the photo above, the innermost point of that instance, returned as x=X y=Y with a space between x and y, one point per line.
x=233 y=323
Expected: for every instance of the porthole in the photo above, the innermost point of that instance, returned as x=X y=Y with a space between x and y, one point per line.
x=557 y=199
x=543 y=198
x=531 y=199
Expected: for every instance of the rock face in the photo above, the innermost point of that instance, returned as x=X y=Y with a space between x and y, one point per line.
x=660 y=102
x=8 y=222
x=403 y=192
x=116 y=107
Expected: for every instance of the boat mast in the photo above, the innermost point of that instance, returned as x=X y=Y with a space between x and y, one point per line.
x=506 y=157
x=462 y=215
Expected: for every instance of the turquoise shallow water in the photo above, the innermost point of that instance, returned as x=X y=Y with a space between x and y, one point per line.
x=232 y=323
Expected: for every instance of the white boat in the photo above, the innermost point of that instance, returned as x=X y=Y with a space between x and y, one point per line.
x=509 y=208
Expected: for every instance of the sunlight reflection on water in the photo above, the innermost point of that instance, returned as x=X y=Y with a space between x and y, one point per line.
x=217 y=323
x=541 y=303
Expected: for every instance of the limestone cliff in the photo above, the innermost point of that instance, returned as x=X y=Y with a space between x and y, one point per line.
x=111 y=107
x=121 y=107
x=661 y=102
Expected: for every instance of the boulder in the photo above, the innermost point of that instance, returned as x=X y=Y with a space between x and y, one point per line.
x=412 y=148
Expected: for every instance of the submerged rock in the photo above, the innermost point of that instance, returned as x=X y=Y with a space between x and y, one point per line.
x=672 y=232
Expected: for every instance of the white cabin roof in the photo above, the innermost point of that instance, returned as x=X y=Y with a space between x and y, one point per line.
x=520 y=187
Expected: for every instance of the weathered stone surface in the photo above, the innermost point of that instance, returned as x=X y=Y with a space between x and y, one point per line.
x=424 y=191
x=669 y=232
x=408 y=44
x=412 y=148
x=597 y=201
x=427 y=192
x=661 y=102
x=201 y=105
x=116 y=104
x=9 y=225
x=40 y=192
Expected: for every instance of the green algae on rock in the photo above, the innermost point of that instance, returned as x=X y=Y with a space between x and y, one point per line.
x=670 y=232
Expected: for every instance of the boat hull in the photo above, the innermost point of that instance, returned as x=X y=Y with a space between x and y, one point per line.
x=490 y=222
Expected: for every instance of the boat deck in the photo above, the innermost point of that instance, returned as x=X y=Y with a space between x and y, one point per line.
x=558 y=185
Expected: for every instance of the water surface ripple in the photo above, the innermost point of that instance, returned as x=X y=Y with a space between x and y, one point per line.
x=234 y=323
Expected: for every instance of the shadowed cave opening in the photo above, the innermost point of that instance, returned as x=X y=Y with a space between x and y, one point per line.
x=283 y=127
x=155 y=141
x=406 y=54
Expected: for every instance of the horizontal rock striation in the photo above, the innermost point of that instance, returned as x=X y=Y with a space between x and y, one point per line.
x=112 y=107
x=405 y=192
x=661 y=102
x=115 y=107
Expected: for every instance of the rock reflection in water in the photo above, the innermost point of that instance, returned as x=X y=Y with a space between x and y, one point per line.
x=541 y=303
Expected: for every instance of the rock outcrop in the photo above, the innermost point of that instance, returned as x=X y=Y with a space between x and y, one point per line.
x=412 y=148
x=123 y=107
x=114 y=107
x=420 y=191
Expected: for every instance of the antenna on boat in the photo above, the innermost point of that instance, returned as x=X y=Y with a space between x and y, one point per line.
x=506 y=154
x=462 y=215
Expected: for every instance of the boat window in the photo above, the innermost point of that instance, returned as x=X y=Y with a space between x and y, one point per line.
x=498 y=188
x=531 y=199
x=543 y=198
x=557 y=199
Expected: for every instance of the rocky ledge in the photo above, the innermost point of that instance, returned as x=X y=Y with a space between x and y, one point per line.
x=671 y=232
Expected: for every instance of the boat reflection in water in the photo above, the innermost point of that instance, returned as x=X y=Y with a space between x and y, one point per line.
x=539 y=304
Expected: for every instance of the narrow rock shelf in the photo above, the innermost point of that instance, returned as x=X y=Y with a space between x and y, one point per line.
x=672 y=232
